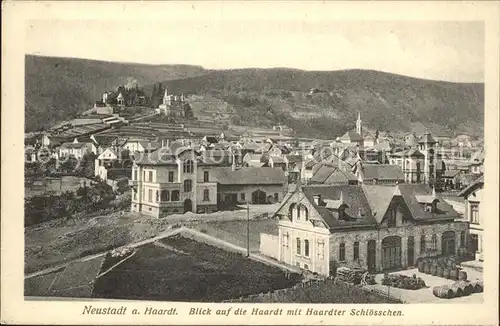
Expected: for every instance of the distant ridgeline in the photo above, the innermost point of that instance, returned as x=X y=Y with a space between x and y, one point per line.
x=313 y=103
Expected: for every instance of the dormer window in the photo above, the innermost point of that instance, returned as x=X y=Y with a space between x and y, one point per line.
x=392 y=217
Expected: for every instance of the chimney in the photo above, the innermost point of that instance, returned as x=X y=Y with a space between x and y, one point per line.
x=317 y=199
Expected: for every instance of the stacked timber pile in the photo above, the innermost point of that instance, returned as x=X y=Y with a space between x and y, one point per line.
x=350 y=275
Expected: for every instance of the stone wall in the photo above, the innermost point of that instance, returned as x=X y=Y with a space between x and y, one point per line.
x=404 y=232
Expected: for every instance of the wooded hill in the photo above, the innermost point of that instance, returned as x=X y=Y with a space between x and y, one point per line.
x=328 y=102
x=59 y=88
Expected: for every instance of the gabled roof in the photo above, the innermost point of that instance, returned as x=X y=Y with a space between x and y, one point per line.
x=379 y=198
x=353 y=197
x=249 y=176
x=352 y=136
x=427 y=138
x=73 y=145
x=210 y=139
x=150 y=145
x=256 y=147
x=412 y=152
x=382 y=172
x=411 y=140
x=294 y=158
x=473 y=186
x=451 y=173
x=382 y=146
x=278 y=159
x=109 y=149
x=329 y=174
x=409 y=193
x=215 y=157
x=478 y=156
x=252 y=157
x=157 y=157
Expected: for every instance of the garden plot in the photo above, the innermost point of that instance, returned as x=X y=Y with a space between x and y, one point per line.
x=75 y=281
x=204 y=273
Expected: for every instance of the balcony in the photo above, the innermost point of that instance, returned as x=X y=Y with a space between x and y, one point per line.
x=170 y=186
x=171 y=204
x=132 y=182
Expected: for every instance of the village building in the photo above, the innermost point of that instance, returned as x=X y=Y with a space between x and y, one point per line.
x=105 y=161
x=179 y=180
x=265 y=185
x=174 y=106
x=173 y=181
x=420 y=162
x=477 y=162
x=451 y=179
x=76 y=149
x=371 y=226
x=379 y=174
x=473 y=195
x=331 y=173
x=141 y=145
x=358 y=136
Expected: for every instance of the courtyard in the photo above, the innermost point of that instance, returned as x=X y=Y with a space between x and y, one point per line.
x=425 y=295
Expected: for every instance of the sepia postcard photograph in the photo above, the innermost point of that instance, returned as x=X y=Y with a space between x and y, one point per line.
x=235 y=163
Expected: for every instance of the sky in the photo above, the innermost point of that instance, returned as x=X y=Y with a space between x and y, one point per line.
x=440 y=50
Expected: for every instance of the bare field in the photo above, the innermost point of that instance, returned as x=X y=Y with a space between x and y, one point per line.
x=56 y=242
x=201 y=273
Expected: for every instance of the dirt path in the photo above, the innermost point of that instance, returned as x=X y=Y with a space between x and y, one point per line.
x=164 y=234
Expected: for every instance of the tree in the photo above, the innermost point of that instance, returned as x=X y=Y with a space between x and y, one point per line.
x=32 y=172
x=69 y=164
x=86 y=165
x=153 y=93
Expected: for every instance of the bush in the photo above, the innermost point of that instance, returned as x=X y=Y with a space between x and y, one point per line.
x=38 y=209
x=403 y=282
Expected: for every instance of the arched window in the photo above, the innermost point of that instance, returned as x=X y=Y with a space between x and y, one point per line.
x=175 y=195
x=306 y=248
x=422 y=243
x=188 y=166
x=188 y=185
x=298 y=212
x=292 y=212
x=305 y=212
x=434 y=242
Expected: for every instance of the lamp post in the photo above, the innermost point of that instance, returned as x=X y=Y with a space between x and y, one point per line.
x=248 y=230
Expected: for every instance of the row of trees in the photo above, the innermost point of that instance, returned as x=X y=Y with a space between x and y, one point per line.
x=69 y=166
x=88 y=199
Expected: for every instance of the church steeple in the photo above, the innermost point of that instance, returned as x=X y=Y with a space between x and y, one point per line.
x=359 y=127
